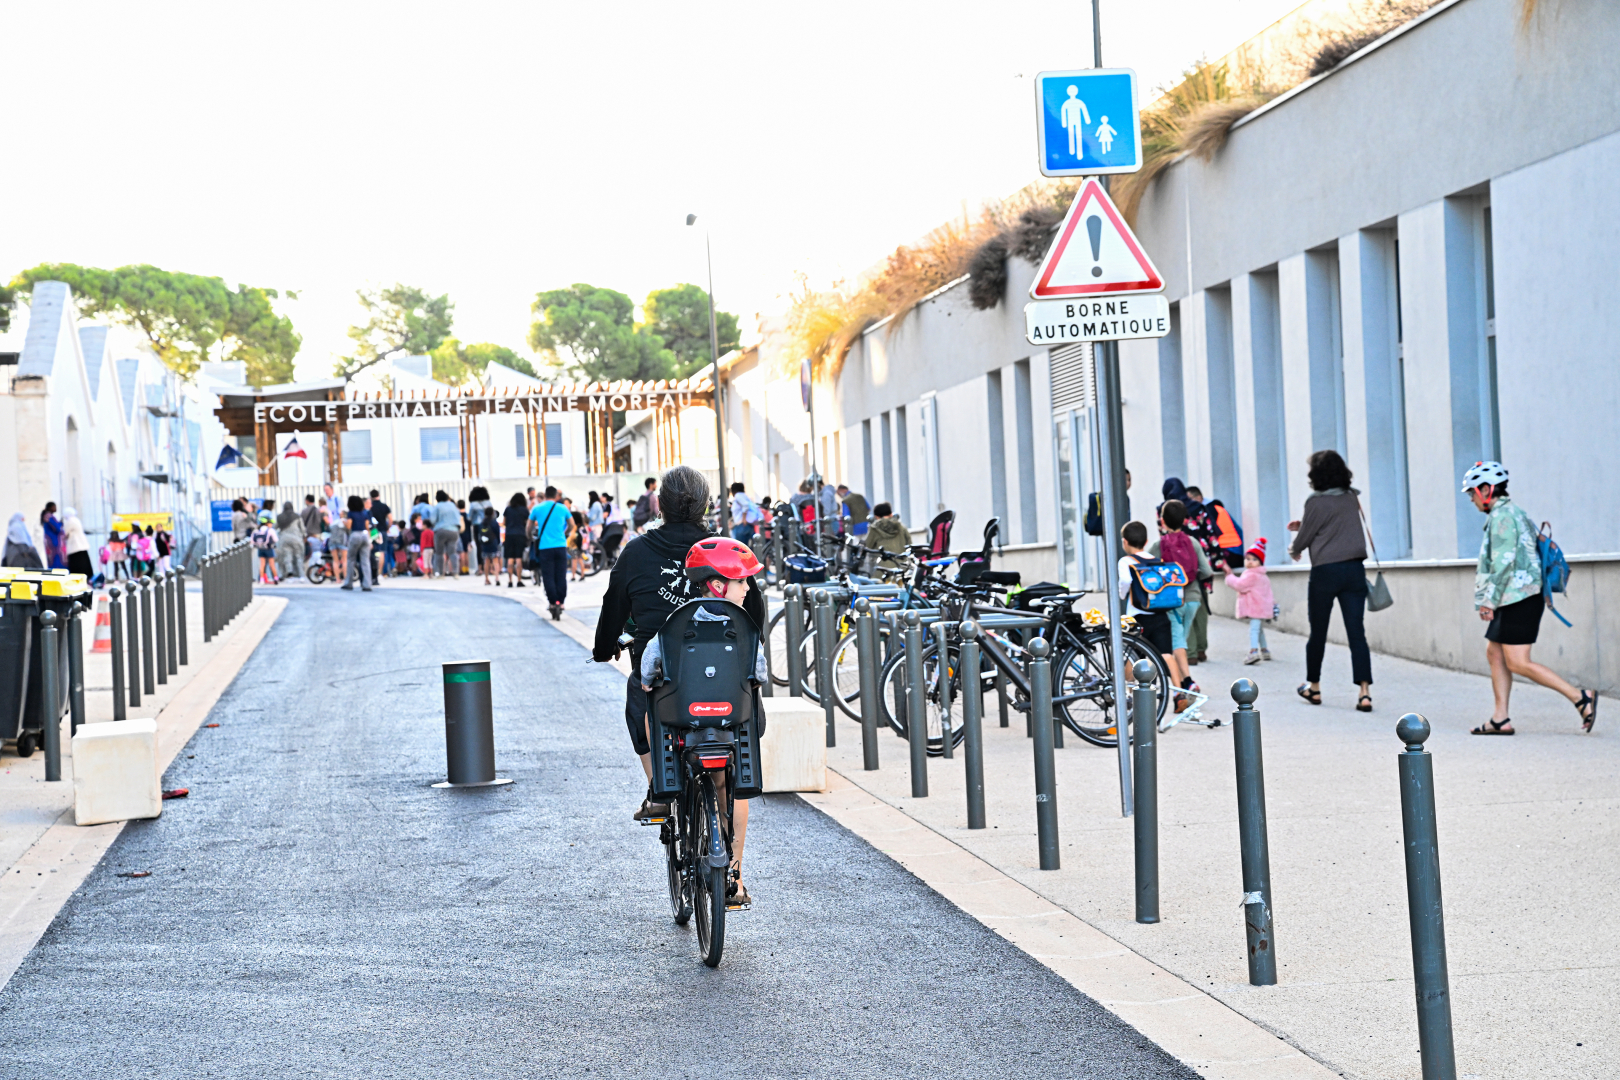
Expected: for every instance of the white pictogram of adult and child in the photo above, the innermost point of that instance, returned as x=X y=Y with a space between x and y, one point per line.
x=1074 y=116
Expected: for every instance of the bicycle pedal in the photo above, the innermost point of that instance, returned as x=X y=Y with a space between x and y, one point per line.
x=730 y=906
x=653 y=821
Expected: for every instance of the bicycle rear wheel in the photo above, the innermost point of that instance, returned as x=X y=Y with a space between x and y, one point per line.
x=1083 y=686
x=709 y=882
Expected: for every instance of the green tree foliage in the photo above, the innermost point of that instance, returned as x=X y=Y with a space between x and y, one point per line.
x=402 y=321
x=8 y=302
x=187 y=318
x=680 y=315
x=456 y=363
x=593 y=332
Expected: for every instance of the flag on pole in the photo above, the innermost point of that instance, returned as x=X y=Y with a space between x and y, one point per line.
x=228 y=455
x=294 y=450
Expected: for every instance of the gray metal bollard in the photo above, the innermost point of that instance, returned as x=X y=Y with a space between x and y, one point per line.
x=1040 y=710
x=50 y=720
x=75 y=635
x=469 y=726
x=173 y=652
x=1144 y=737
x=972 y=722
x=132 y=622
x=1251 y=796
x=148 y=671
x=115 y=615
x=1001 y=702
x=793 y=625
x=161 y=631
x=180 y=617
x=943 y=668
x=916 y=706
x=1420 y=831
x=866 y=659
x=826 y=632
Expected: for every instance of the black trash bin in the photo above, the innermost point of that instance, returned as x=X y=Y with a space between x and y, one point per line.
x=17 y=611
x=54 y=591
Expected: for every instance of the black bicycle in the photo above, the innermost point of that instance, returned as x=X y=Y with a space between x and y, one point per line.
x=698 y=838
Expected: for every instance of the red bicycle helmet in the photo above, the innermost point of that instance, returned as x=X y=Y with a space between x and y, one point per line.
x=721 y=557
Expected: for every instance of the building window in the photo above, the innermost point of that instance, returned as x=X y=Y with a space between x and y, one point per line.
x=356 y=447
x=888 y=459
x=868 y=481
x=441 y=444
x=902 y=450
x=522 y=433
x=1492 y=417
x=554 y=440
x=995 y=414
x=248 y=447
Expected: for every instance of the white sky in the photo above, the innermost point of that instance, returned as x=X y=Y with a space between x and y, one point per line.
x=493 y=150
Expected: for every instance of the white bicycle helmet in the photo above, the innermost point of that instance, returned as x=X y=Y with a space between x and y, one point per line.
x=1484 y=472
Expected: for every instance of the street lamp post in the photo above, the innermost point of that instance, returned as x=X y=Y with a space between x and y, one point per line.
x=719 y=422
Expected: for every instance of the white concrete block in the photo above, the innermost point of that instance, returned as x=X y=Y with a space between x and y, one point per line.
x=793 y=750
x=115 y=775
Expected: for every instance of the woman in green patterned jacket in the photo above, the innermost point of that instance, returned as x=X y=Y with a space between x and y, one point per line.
x=1507 y=595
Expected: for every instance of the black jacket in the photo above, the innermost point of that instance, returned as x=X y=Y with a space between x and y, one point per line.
x=648 y=582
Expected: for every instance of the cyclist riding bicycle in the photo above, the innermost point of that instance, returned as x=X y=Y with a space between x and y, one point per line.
x=722 y=569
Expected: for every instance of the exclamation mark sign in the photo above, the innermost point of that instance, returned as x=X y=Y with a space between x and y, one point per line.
x=1094 y=230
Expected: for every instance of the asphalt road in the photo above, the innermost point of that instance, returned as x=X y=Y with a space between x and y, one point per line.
x=316 y=909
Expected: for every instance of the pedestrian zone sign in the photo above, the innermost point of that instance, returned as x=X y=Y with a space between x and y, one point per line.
x=1086 y=122
x=1095 y=253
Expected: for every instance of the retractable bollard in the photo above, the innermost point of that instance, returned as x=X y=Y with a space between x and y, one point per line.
x=161 y=630
x=173 y=652
x=1040 y=709
x=148 y=670
x=916 y=706
x=866 y=660
x=115 y=616
x=469 y=726
x=972 y=722
x=793 y=624
x=1144 y=740
x=51 y=722
x=826 y=631
x=180 y=616
x=1251 y=796
x=75 y=633
x=942 y=667
x=1423 y=901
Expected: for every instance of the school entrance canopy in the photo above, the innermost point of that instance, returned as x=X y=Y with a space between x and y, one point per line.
x=327 y=406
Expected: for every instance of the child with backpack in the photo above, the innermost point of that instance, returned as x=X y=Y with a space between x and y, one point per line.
x=1153 y=588
x=1175 y=546
x=1254 y=600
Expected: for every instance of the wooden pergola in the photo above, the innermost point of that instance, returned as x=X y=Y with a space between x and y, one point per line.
x=329 y=406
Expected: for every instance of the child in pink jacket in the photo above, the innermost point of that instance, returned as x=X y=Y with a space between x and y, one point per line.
x=1254 y=600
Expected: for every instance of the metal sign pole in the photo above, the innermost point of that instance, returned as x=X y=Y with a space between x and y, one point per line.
x=1112 y=475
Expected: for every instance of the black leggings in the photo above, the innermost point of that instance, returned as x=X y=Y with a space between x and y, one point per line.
x=1347 y=583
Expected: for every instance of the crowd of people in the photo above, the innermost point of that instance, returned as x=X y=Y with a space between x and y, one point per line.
x=127 y=554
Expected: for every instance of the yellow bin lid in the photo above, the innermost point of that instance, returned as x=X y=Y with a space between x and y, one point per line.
x=22 y=590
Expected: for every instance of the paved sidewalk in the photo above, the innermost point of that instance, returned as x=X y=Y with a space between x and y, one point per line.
x=1528 y=830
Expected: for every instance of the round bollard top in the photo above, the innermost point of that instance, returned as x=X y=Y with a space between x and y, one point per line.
x=913 y=619
x=1145 y=671
x=792 y=590
x=969 y=630
x=1244 y=692
x=114 y=593
x=1040 y=648
x=862 y=605
x=1413 y=730
x=47 y=619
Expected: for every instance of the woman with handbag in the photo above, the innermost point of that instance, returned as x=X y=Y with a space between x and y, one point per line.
x=1331 y=529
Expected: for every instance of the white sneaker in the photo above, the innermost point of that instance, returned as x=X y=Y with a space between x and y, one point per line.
x=1265 y=654
x=1254 y=657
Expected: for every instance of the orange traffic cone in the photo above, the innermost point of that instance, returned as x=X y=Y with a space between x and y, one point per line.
x=103 y=638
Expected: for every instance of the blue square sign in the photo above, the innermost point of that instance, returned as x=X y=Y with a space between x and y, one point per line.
x=1087 y=122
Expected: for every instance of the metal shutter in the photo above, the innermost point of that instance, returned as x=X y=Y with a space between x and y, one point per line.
x=1074 y=384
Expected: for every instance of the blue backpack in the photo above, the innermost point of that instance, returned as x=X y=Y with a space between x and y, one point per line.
x=1554 y=568
x=1155 y=585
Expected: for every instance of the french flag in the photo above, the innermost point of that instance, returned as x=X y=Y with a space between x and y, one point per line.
x=294 y=450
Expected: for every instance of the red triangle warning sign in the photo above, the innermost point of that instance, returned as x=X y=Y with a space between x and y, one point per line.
x=1095 y=252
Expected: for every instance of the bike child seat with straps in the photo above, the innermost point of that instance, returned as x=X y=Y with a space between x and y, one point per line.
x=939 y=533
x=708 y=649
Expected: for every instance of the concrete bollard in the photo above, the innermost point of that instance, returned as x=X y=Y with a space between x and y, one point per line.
x=1144 y=737
x=916 y=706
x=942 y=654
x=1251 y=796
x=115 y=616
x=50 y=721
x=867 y=660
x=1423 y=901
x=469 y=726
x=148 y=670
x=826 y=631
x=75 y=672
x=793 y=624
x=972 y=722
x=1040 y=711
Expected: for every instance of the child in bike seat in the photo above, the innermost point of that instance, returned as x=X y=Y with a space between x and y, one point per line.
x=722 y=568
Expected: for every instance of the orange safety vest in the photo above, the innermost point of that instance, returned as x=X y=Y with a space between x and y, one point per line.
x=1226 y=534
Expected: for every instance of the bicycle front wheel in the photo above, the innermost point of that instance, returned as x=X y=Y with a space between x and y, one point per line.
x=709 y=882
x=894 y=705
x=1083 y=686
x=680 y=903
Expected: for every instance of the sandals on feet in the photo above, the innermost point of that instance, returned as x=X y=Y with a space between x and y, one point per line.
x=1587 y=707
x=1364 y=703
x=1492 y=727
x=1312 y=696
